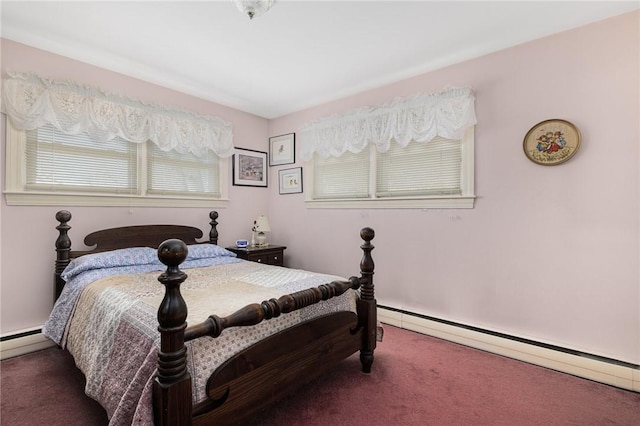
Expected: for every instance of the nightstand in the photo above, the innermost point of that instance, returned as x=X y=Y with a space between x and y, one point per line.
x=269 y=255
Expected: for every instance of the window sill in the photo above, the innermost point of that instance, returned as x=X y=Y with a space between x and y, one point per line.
x=108 y=200
x=460 y=202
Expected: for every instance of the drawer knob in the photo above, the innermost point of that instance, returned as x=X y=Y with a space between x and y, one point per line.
x=259 y=260
x=275 y=257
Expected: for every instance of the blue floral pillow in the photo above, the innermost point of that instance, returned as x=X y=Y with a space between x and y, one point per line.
x=207 y=251
x=109 y=259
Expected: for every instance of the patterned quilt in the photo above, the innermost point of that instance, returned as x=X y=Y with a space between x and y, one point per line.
x=111 y=328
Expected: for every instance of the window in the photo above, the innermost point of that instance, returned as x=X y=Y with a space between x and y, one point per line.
x=346 y=177
x=437 y=174
x=57 y=162
x=182 y=174
x=46 y=166
x=431 y=169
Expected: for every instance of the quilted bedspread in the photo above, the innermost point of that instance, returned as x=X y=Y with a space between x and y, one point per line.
x=112 y=329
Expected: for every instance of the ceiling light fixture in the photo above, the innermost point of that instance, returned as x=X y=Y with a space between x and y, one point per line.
x=253 y=8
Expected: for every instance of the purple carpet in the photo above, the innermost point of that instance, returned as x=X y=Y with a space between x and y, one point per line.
x=420 y=380
x=416 y=380
x=45 y=388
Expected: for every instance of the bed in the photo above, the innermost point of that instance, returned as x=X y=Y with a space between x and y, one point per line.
x=147 y=357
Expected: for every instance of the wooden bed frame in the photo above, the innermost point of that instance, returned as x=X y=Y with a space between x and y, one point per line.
x=261 y=374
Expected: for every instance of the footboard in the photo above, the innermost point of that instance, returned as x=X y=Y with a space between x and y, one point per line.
x=273 y=368
x=268 y=370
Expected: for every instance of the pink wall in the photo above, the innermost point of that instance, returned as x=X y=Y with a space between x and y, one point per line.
x=548 y=253
x=28 y=233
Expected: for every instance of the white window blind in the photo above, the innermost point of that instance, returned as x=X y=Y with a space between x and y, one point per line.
x=77 y=163
x=420 y=169
x=343 y=177
x=184 y=174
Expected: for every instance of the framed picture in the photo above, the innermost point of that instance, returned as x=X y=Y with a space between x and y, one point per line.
x=249 y=168
x=290 y=180
x=282 y=149
x=551 y=142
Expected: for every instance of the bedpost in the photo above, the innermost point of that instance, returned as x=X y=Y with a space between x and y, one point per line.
x=367 y=309
x=172 y=385
x=63 y=250
x=213 y=234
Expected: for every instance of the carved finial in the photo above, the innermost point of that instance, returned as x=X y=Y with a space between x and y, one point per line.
x=173 y=382
x=172 y=311
x=63 y=242
x=366 y=264
x=367 y=234
x=213 y=234
x=172 y=252
x=63 y=216
x=63 y=249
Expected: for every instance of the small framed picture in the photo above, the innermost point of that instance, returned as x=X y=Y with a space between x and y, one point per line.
x=290 y=180
x=282 y=149
x=249 y=168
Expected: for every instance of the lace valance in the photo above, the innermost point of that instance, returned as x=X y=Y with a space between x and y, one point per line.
x=31 y=102
x=418 y=118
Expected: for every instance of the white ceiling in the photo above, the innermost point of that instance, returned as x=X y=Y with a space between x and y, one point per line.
x=297 y=55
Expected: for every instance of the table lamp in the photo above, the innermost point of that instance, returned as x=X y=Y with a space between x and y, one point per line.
x=261 y=227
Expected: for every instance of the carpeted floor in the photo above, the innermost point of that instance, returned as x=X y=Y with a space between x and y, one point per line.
x=46 y=388
x=416 y=380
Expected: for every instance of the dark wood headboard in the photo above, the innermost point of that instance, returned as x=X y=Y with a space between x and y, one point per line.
x=122 y=237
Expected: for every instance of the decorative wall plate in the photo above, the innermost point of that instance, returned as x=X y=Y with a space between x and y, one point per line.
x=551 y=142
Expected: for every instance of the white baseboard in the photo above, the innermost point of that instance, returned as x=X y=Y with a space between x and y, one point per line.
x=593 y=369
x=588 y=368
x=24 y=345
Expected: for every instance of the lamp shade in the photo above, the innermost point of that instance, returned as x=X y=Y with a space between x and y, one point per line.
x=262 y=224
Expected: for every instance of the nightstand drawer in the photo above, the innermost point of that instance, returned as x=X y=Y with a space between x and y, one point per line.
x=269 y=258
x=269 y=255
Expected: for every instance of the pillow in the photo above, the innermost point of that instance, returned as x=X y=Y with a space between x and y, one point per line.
x=206 y=251
x=109 y=259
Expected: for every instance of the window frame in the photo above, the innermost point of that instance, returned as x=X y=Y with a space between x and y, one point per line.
x=16 y=178
x=465 y=200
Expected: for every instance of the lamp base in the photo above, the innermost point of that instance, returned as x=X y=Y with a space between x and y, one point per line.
x=261 y=239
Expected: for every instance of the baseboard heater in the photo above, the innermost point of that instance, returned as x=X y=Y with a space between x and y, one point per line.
x=593 y=367
x=23 y=342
